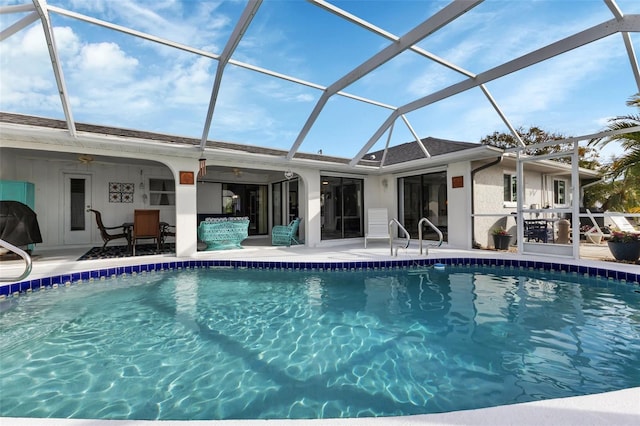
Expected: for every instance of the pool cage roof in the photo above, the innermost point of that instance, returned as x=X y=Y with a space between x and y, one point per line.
x=296 y=75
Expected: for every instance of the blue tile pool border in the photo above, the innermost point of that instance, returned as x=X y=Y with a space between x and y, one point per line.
x=7 y=290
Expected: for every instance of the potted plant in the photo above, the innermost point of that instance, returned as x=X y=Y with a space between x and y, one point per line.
x=625 y=245
x=501 y=238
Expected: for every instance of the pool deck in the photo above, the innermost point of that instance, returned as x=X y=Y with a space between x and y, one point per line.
x=618 y=408
x=48 y=262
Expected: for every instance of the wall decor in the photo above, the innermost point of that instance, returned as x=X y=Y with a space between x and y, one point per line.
x=121 y=192
x=186 y=178
x=457 y=182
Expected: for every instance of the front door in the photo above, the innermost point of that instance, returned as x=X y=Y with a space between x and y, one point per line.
x=77 y=201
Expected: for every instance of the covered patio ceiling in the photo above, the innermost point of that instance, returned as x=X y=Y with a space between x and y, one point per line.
x=223 y=63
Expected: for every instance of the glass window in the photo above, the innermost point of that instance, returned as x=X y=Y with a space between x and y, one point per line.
x=162 y=192
x=77 y=198
x=276 y=190
x=510 y=188
x=559 y=192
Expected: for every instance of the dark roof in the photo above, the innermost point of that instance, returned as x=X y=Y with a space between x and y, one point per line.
x=412 y=151
x=170 y=139
x=396 y=154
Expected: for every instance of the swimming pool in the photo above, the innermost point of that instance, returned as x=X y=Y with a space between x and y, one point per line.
x=228 y=343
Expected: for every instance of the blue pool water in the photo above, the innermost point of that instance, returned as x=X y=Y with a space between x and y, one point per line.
x=221 y=344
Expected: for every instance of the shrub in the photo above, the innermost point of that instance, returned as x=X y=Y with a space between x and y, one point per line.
x=500 y=231
x=624 y=237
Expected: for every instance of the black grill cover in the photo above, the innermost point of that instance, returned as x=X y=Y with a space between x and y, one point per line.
x=18 y=224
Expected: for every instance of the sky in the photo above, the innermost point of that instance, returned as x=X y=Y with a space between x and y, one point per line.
x=118 y=80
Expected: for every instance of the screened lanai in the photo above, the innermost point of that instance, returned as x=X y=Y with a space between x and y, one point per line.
x=338 y=78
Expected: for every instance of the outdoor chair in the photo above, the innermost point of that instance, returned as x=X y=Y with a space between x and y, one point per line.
x=285 y=235
x=166 y=230
x=623 y=224
x=146 y=225
x=538 y=230
x=106 y=236
x=378 y=225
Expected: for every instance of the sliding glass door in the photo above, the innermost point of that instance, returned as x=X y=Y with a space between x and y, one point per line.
x=285 y=202
x=424 y=196
x=341 y=208
x=247 y=200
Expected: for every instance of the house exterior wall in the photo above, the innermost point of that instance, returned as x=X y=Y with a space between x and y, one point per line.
x=209 y=197
x=488 y=193
x=48 y=179
x=459 y=205
x=159 y=160
x=186 y=205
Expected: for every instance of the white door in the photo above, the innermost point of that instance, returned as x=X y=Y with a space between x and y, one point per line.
x=78 y=221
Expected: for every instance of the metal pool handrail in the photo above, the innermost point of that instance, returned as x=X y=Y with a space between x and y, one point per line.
x=21 y=253
x=435 y=228
x=391 y=239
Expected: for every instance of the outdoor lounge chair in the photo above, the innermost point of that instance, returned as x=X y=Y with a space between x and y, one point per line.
x=623 y=224
x=285 y=235
x=106 y=236
x=378 y=225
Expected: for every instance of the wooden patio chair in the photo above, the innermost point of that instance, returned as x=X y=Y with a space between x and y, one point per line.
x=146 y=225
x=106 y=236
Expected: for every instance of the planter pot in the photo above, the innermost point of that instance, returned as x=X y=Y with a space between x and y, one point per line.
x=625 y=251
x=501 y=242
x=594 y=238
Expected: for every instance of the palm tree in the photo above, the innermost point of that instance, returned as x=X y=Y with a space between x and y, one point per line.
x=618 y=194
x=630 y=142
x=621 y=189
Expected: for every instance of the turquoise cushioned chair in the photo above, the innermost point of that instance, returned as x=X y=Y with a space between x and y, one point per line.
x=285 y=235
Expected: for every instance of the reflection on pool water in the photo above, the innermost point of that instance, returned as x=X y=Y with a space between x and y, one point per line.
x=221 y=344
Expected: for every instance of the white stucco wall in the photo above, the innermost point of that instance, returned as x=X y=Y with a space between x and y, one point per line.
x=48 y=179
x=309 y=187
x=186 y=205
x=489 y=199
x=459 y=206
x=209 y=197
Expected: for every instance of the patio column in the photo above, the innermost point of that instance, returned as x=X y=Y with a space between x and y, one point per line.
x=186 y=206
x=311 y=214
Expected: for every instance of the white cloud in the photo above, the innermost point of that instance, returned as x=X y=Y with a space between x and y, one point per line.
x=26 y=80
x=192 y=23
x=106 y=62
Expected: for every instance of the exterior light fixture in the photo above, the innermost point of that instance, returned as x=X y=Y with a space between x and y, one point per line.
x=288 y=174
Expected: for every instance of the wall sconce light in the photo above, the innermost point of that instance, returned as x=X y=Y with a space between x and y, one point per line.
x=288 y=174
x=202 y=164
x=385 y=183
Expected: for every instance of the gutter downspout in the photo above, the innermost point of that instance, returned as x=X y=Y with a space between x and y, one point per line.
x=473 y=208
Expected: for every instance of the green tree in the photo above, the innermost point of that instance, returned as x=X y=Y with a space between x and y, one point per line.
x=616 y=194
x=630 y=142
x=588 y=156
x=621 y=189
